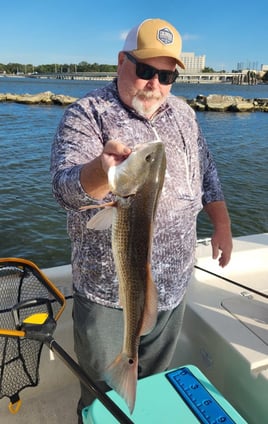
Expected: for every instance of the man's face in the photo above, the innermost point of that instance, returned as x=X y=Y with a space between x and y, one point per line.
x=145 y=96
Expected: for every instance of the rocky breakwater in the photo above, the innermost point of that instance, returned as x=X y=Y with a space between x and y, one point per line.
x=220 y=103
x=46 y=97
x=213 y=102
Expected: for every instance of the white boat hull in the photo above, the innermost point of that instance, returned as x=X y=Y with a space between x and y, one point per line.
x=230 y=348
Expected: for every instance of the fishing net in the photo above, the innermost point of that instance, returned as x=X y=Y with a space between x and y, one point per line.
x=28 y=301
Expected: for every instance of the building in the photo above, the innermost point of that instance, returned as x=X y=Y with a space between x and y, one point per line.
x=193 y=64
x=264 y=68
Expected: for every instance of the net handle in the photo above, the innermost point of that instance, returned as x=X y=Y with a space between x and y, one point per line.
x=19 y=262
x=14 y=407
x=12 y=333
x=34 y=330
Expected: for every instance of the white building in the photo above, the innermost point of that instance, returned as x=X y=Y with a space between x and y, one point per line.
x=193 y=64
x=264 y=68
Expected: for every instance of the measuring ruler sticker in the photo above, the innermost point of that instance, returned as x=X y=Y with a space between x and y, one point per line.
x=197 y=397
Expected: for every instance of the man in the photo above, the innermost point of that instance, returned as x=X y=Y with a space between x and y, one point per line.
x=99 y=131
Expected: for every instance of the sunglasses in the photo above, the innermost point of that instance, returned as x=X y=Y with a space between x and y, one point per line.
x=147 y=72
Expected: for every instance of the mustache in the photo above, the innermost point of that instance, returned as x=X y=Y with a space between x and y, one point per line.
x=148 y=95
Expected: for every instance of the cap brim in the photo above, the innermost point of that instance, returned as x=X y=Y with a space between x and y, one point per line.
x=149 y=53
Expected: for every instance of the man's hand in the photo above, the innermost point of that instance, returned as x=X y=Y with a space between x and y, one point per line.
x=222 y=237
x=93 y=174
x=113 y=154
x=222 y=241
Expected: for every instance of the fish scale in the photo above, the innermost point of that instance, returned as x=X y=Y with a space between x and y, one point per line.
x=131 y=236
x=137 y=183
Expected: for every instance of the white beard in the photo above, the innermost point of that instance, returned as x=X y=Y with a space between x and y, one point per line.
x=139 y=106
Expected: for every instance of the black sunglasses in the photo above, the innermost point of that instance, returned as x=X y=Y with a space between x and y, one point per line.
x=147 y=72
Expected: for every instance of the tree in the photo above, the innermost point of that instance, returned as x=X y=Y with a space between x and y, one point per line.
x=82 y=67
x=265 y=77
x=15 y=68
x=207 y=70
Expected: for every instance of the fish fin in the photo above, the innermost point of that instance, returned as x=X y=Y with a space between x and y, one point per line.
x=97 y=206
x=150 y=309
x=102 y=220
x=122 y=376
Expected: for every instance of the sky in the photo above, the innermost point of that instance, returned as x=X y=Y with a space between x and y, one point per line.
x=60 y=31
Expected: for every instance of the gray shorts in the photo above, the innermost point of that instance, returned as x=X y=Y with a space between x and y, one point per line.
x=98 y=338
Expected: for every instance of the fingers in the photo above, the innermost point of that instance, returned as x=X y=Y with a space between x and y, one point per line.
x=113 y=147
x=113 y=154
x=223 y=260
x=225 y=257
x=223 y=244
x=215 y=249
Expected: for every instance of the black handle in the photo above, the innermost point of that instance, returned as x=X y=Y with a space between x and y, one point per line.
x=90 y=384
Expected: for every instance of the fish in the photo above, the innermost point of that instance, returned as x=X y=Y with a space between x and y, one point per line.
x=137 y=183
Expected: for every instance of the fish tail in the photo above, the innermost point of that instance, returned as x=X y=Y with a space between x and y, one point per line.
x=121 y=376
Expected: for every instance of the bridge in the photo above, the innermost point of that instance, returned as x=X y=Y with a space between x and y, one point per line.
x=77 y=75
x=213 y=77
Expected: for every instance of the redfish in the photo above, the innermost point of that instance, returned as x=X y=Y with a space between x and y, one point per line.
x=137 y=183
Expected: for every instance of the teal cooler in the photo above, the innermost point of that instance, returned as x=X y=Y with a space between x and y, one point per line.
x=182 y=395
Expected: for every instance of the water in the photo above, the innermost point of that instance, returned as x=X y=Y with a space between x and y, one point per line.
x=33 y=226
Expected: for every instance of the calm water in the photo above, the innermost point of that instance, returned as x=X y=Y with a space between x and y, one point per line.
x=32 y=225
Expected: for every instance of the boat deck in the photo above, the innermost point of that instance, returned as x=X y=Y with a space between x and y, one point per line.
x=55 y=398
x=224 y=334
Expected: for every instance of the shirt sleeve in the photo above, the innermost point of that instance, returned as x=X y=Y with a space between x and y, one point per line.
x=211 y=186
x=78 y=140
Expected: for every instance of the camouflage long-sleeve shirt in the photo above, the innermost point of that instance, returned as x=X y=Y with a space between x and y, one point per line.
x=191 y=180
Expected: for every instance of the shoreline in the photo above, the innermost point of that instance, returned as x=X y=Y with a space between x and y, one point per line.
x=212 y=102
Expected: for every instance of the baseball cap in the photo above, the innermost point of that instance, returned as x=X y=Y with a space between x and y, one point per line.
x=154 y=38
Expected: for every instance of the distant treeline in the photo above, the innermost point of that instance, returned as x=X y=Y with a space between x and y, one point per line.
x=18 y=68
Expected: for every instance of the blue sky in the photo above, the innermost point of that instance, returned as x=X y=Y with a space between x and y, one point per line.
x=62 y=31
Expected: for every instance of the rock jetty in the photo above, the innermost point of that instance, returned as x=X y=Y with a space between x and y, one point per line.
x=220 y=103
x=213 y=102
x=47 y=98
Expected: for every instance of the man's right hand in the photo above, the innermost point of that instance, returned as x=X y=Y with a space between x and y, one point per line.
x=113 y=154
x=93 y=176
